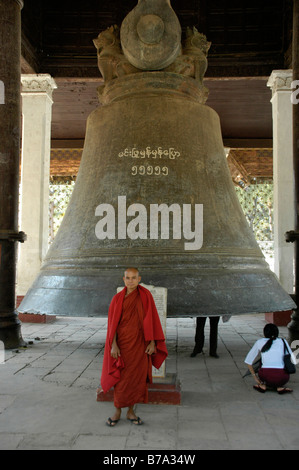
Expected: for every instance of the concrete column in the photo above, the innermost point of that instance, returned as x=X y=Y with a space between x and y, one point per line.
x=10 y=57
x=283 y=176
x=35 y=173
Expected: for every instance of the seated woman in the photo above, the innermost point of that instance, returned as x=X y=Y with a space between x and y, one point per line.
x=271 y=373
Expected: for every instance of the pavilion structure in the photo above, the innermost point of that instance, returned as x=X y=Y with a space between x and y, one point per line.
x=49 y=80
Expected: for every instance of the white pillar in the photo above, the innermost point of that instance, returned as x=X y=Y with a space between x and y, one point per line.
x=36 y=147
x=283 y=175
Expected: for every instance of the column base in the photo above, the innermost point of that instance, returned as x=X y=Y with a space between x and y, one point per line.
x=10 y=332
x=36 y=318
x=33 y=317
x=279 y=318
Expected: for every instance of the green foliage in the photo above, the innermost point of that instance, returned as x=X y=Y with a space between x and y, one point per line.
x=257 y=203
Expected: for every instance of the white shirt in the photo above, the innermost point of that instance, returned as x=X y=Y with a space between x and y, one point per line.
x=271 y=359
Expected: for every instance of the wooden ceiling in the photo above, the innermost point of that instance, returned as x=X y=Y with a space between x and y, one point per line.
x=243 y=106
x=250 y=38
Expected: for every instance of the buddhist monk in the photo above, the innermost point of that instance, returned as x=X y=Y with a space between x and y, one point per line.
x=135 y=341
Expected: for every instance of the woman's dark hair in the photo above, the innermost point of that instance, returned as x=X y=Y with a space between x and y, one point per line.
x=270 y=331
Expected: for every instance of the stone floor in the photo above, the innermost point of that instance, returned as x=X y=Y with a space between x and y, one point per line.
x=48 y=394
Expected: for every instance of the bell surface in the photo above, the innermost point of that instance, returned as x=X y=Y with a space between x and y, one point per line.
x=154 y=192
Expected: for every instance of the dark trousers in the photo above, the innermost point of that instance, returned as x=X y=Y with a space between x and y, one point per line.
x=200 y=337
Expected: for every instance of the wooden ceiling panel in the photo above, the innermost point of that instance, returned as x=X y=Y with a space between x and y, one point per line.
x=243 y=106
x=61 y=32
x=249 y=165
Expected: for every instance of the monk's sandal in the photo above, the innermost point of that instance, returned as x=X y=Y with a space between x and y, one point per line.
x=136 y=421
x=112 y=422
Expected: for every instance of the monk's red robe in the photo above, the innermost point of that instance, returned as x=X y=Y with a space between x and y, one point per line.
x=136 y=321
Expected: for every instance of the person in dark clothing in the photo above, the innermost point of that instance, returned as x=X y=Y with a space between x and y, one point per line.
x=200 y=337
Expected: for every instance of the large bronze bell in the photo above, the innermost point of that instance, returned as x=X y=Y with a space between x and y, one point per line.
x=154 y=190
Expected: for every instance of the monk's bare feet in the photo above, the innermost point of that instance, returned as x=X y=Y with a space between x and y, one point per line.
x=116 y=414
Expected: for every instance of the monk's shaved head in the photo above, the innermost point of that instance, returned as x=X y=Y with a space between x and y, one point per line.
x=133 y=270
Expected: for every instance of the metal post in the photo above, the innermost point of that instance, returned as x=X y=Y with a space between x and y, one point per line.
x=10 y=123
x=293 y=236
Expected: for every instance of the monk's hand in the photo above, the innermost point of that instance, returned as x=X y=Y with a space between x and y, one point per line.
x=115 y=351
x=150 y=348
